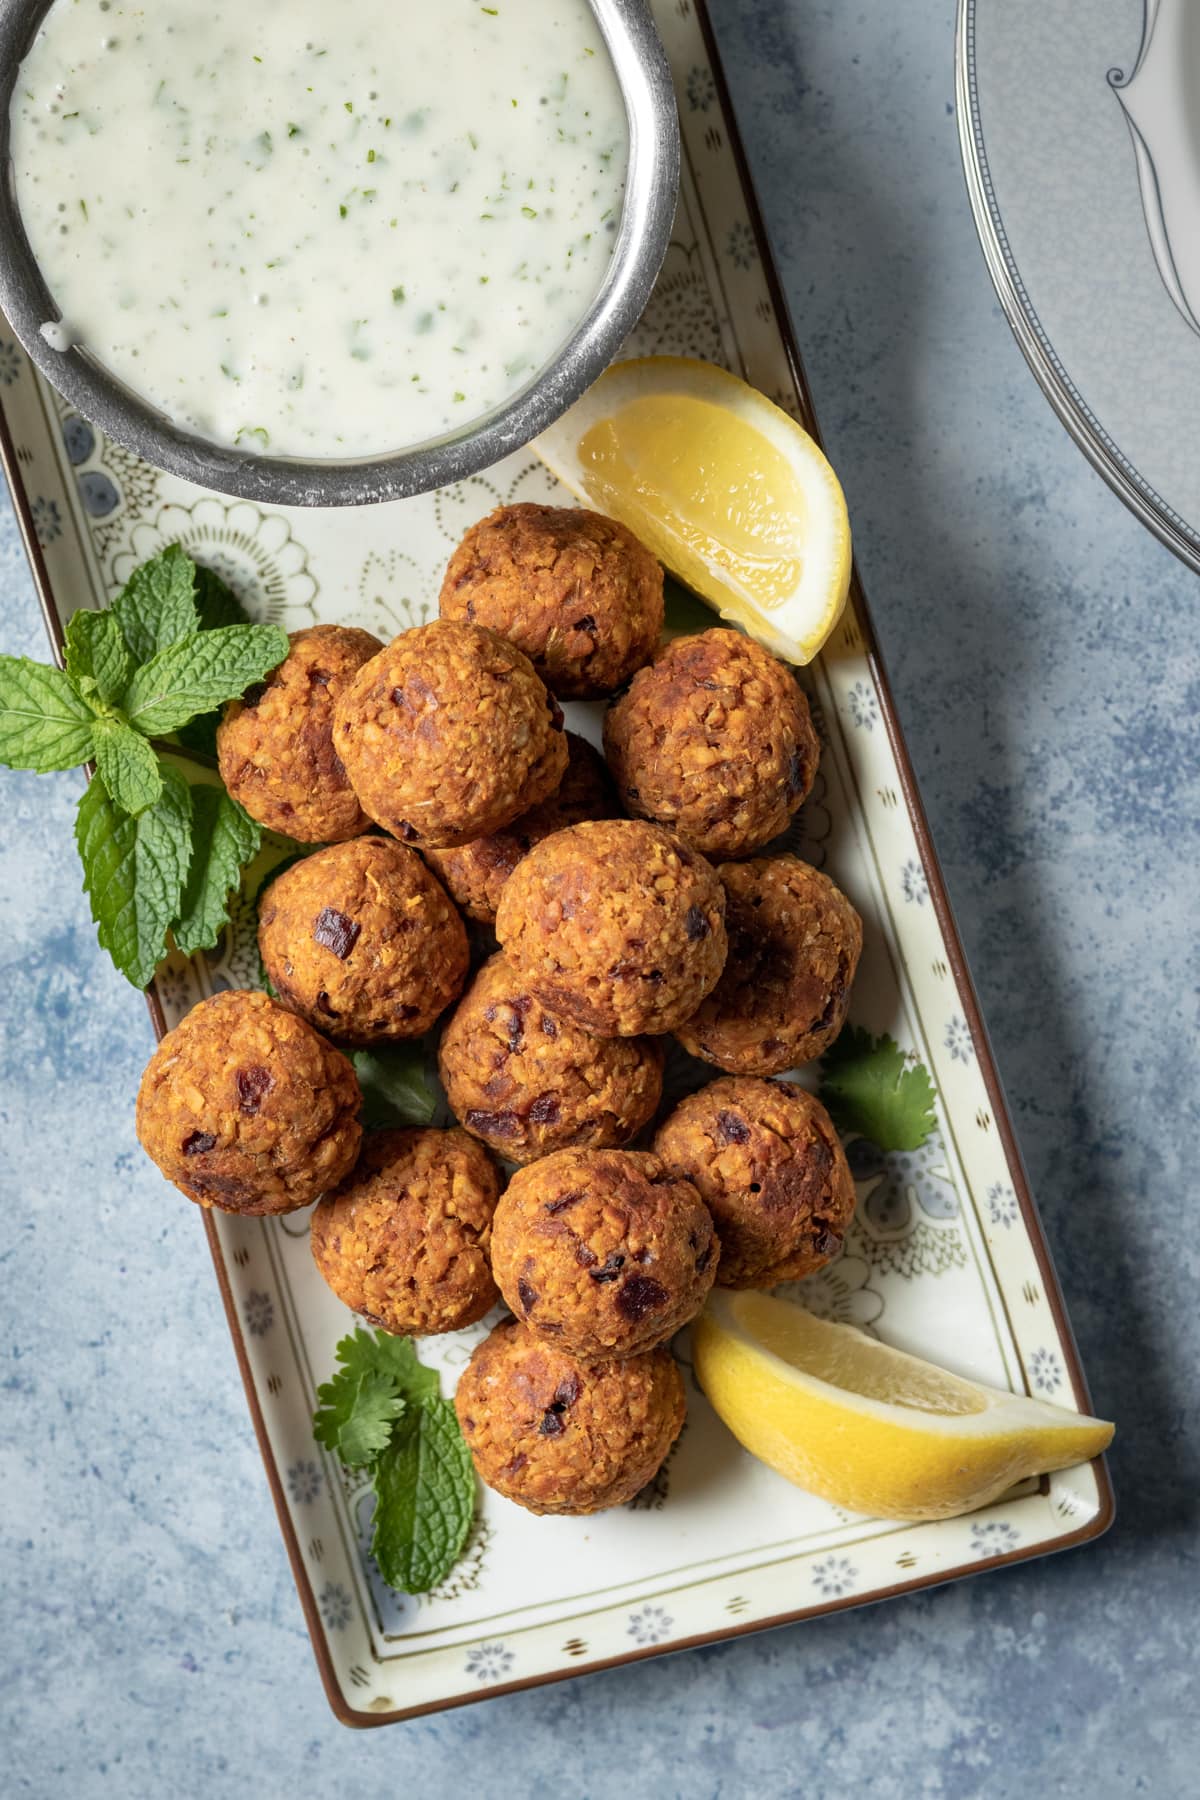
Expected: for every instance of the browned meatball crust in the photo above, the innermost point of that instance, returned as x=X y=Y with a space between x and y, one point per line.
x=275 y=747
x=715 y=741
x=404 y=1240
x=529 y=1081
x=603 y=1252
x=576 y=591
x=475 y=873
x=794 y=945
x=558 y=1436
x=617 y=924
x=363 y=941
x=449 y=734
x=245 y=1108
x=767 y=1159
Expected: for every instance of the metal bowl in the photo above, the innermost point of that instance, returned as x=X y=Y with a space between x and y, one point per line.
x=651 y=190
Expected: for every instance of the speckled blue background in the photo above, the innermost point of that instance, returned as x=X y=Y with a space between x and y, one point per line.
x=1042 y=648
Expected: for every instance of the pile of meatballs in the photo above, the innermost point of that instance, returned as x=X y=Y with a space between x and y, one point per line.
x=628 y=903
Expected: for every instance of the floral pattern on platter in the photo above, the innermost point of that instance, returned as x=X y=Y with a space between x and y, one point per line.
x=741 y=246
x=459 y=507
x=649 y=1625
x=253 y=552
x=681 y=315
x=1045 y=1371
x=1002 y=1205
x=913 y=884
x=47 y=520
x=927 y=1250
x=233 y=961
x=958 y=1040
x=700 y=88
x=993 y=1538
x=864 y=708
x=11 y=362
x=489 y=1662
x=834 y=1576
x=840 y=1292
x=305 y=1482
x=893 y=1183
x=335 y=1606
x=259 y=1313
x=393 y=594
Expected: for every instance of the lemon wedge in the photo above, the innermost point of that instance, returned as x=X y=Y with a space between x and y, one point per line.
x=869 y=1427
x=730 y=493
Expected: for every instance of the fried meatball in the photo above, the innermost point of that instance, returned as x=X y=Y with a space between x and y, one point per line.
x=476 y=872
x=715 y=741
x=275 y=747
x=766 y=1158
x=528 y=1081
x=617 y=924
x=603 y=1252
x=245 y=1108
x=363 y=941
x=794 y=945
x=448 y=734
x=404 y=1240
x=560 y=1436
x=576 y=591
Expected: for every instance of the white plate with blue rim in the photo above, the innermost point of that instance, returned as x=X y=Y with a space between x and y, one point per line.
x=1080 y=130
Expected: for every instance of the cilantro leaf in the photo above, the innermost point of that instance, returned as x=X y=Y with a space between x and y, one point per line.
x=378 y=1352
x=395 y=1088
x=870 y=1088
x=43 y=722
x=216 y=603
x=134 y=870
x=224 y=839
x=356 y=1415
x=424 y=1498
x=127 y=764
x=199 y=672
x=155 y=608
x=98 y=659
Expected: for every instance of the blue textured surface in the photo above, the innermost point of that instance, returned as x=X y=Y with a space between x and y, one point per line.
x=1042 y=648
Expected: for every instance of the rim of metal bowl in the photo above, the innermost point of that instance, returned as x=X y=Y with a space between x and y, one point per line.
x=647 y=215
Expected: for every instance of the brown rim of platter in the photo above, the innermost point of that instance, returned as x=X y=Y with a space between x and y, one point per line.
x=1106 y=1511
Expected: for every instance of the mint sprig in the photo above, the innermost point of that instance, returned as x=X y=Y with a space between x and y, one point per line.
x=157 y=855
x=383 y=1411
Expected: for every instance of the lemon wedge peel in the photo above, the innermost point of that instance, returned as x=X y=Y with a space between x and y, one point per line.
x=727 y=490
x=868 y=1427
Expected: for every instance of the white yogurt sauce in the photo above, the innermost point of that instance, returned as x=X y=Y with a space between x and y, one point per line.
x=320 y=227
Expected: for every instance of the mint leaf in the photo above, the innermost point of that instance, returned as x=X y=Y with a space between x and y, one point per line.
x=199 y=672
x=217 y=604
x=870 y=1088
x=127 y=764
x=224 y=839
x=424 y=1498
x=395 y=1088
x=134 y=870
x=378 y=1352
x=356 y=1416
x=97 y=657
x=155 y=608
x=43 y=722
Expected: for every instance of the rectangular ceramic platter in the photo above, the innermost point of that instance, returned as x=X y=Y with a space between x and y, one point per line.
x=946 y=1257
